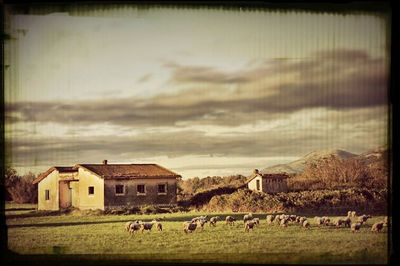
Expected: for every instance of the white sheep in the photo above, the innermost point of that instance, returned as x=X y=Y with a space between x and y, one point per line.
x=339 y=222
x=292 y=218
x=351 y=214
x=213 y=220
x=134 y=226
x=195 y=219
x=158 y=224
x=318 y=220
x=385 y=221
x=377 y=227
x=363 y=218
x=147 y=226
x=128 y=225
x=347 y=222
x=201 y=223
x=302 y=219
x=355 y=227
x=326 y=220
x=256 y=221
x=250 y=224
x=189 y=227
x=284 y=222
x=277 y=219
x=230 y=220
x=247 y=217
x=306 y=224
x=270 y=219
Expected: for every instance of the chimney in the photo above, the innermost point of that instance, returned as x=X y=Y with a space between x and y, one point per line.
x=104 y=161
x=256 y=171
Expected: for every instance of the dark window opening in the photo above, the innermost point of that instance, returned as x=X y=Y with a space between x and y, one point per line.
x=47 y=194
x=141 y=189
x=119 y=189
x=258 y=184
x=91 y=190
x=162 y=188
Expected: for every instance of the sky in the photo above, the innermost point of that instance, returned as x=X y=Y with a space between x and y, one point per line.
x=199 y=91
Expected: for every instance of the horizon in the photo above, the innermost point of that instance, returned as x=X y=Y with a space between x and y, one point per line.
x=176 y=170
x=201 y=92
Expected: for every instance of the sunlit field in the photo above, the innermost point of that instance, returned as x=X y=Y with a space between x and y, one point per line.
x=103 y=237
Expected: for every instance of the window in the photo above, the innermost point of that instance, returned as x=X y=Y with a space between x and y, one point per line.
x=258 y=184
x=47 y=194
x=141 y=189
x=119 y=189
x=91 y=190
x=162 y=188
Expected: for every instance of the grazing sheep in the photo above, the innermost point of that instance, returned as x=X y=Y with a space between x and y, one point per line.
x=195 y=219
x=377 y=227
x=292 y=218
x=327 y=221
x=146 y=226
x=158 y=224
x=128 y=225
x=230 y=220
x=385 y=221
x=302 y=219
x=355 y=227
x=339 y=222
x=318 y=220
x=277 y=220
x=363 y=218
x=213 y=220
x=270 y=219
x=298 y=219
x=347 y=222
x=249 y=225
x=306 y=224
x=189 y=227
x=247 y=217
x=256 y=221
x=284 y=222
x=201 y=223
x=135 y=226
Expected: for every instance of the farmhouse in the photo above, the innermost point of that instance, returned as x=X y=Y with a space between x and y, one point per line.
x=101 y=186
x=267 y=182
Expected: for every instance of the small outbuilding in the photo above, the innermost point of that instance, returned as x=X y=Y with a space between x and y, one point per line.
x=271 y=183
x=101 y=186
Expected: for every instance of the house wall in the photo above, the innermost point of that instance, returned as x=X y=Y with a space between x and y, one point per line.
x=275 y=185
x=50 y=183
x=253 y=184
x=268 y=185
x=86 y=201
x=130 y=197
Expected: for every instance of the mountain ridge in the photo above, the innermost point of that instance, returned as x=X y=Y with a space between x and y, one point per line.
x=298 y=165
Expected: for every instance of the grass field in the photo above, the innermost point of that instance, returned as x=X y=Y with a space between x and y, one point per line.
x=103 y=238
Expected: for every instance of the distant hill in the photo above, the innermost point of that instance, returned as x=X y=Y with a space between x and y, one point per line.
x=298 y=165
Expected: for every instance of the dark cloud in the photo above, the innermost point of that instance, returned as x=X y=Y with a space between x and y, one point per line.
x=200 y=74
x=174 y=144
x=341 y=79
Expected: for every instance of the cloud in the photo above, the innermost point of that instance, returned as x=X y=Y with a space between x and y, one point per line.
x=338 y=80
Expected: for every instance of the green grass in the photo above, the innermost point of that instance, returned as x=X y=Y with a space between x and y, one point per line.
x=105 y=236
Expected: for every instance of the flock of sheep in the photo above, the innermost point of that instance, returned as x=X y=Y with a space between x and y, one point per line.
x=351 y=221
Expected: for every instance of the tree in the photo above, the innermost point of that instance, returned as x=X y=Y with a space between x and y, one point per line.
x=20 y=188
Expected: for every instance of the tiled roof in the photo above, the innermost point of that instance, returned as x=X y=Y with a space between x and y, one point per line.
x=61 y=169
x=115 y=171
x=268 y=176
x=121 y=171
